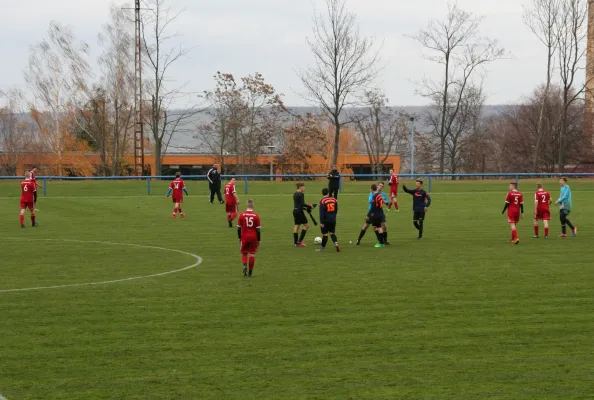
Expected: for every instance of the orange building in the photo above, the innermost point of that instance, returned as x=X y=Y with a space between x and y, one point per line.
x=197 y=164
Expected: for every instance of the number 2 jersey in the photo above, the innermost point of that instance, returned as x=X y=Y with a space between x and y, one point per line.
x=542 y=198
x=328 y=209
x=230 y=194
x=249 y=223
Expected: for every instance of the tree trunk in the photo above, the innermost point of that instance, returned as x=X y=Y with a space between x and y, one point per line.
x=158 y=161
x=116 y=140
x=336 y=141
x=541 y=114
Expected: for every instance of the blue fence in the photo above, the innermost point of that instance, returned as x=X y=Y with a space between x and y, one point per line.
x=367 y=177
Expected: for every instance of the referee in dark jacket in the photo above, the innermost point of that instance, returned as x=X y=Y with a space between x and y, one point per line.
x=214 y=183
x=334 y=182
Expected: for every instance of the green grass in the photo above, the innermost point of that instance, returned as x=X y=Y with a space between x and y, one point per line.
x=461 y=314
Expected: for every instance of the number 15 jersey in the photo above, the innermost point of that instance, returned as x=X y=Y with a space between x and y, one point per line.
x=249 y=222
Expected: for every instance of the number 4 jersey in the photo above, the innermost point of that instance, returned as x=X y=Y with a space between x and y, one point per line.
x=249 y=222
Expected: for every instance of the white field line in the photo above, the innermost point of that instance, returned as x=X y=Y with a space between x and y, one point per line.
x=195 y=264
x=2 y=397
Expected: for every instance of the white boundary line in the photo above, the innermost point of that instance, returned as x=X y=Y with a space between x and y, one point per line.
x=2 y=397
x=198 y=262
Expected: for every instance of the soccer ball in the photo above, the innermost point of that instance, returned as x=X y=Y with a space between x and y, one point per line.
x=318 y=240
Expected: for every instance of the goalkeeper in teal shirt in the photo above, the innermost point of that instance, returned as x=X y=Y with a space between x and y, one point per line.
x=565 y=208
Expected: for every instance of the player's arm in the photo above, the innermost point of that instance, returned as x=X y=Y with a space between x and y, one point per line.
x=239 y=232
x=505 y=207
x=209 y=176
x=169 y=192
x=427 y=200
x=522 y=207
x=258 y=234
x=407 y=190
x=563 y=196
x=185 y=191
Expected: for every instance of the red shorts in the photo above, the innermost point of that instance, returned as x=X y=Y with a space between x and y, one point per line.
x=513 y=219
x=393 y=192
x=27 y=204
x=230 y=207
x=177 y=199
x=543 y=215
x=249 y=246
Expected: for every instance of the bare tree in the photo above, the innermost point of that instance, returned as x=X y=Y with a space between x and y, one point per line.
x=15 y=132
x=163 y=121
x=345 y=63
x=117 y=67
x=382 y=128
x=465 y=125
x=541 y=17
x=571 y=30
x=455 y=44
x=57 y=74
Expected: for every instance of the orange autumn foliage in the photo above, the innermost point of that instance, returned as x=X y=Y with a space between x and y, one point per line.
x=56 y=137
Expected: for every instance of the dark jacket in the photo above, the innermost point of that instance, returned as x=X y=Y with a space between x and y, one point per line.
x=334 y=179
x=214 y=177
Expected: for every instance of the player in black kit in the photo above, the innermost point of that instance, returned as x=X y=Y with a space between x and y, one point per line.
x=421 y=203
x=328 y=211
x=299 y=217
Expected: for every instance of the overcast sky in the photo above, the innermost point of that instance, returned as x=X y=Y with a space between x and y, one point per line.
x=268 y=36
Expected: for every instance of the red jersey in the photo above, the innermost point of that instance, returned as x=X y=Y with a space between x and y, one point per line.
x=230 y=194
x=514 y=199
x=393 y=181
x=177 y=185
x=249 y=222
x=27 y=188
x=542 y=198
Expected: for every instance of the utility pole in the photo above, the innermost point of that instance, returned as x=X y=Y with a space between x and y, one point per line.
x=138 y=122
x=412 y=145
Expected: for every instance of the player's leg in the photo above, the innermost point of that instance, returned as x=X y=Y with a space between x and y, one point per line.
x=380 y=234
x=244 y=259
x=421 y=221
x=563 y=219
x=219 y=196
x=35 y=196
x=22 y=215
x=211 y=193
x=545 y=223
x=416 y=222
x=568 y=223
x=332 y=232
x=303 y=233
x=395 y=201
x=32 y=211
x=514 y=232
x=535 y=223
x=251 y=262
x=363 y=230
x=385 y=230
x=179 y=207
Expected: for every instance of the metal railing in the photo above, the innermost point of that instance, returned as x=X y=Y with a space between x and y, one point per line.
x=366 y=177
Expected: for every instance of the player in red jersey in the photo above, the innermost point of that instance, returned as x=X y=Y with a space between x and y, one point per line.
x=514 y=204
x=231 y=201
x=393 y=191
x=32 y=172
x=248 y=231
x=27 y=199
x=178 y=187
x=542 y=211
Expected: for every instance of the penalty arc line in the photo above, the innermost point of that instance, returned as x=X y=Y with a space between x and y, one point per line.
x=195 y=264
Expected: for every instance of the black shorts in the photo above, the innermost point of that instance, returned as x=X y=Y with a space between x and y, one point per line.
x=376 y=220
x=329 y=227
x=419 y=216
x=299 y=217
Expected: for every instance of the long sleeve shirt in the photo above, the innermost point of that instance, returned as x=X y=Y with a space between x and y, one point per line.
x=421 y=199
x=565 y=198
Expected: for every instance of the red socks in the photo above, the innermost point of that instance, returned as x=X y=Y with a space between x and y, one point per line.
x=252 y=262
x=22 y=218
x=395 y=205
x=33 y=219
x=244 y=259
x=514 y=234
x=546 y=231
x=536 y=230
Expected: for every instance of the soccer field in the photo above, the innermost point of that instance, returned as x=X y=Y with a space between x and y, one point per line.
x=461 y=314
